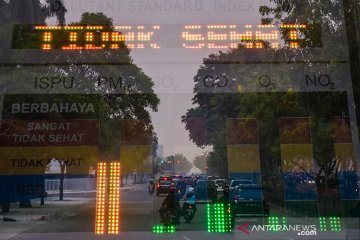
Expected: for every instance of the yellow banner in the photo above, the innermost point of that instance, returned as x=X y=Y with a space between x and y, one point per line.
x=136 y=159
x=35 y=160
x=297 y=157
x=243 y=158
x=345 y=158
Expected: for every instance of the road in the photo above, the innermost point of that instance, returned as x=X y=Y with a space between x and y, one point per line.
x=139 y=213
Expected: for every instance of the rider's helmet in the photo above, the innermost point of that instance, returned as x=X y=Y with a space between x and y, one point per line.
x=151 y=182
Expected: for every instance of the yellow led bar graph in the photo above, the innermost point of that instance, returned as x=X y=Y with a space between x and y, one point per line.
x=114 y=198
x=100 y=198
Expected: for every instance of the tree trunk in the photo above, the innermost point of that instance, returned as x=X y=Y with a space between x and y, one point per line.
x=62 y=176
x=42 y=200
x=126 y=178
x=122 y=180
x=352 y=20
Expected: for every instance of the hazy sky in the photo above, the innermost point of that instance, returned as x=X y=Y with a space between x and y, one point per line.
x=172 y=69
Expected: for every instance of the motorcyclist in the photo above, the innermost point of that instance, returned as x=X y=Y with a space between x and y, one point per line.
x=170 y=204
x=181 y=186
x=189 y=199
x=151 y=184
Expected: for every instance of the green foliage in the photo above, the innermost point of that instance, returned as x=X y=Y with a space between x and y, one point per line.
x=201 y=161
x=179 y=163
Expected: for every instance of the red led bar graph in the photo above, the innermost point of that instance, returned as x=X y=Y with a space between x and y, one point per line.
x=114 y=198
x=100 y=198
x=108 y=198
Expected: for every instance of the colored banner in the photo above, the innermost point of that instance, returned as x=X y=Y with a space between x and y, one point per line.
x=136 y=132
x=17 y=187
x=136 y=146
x=242 y=131
x=297 y=159
x=35 y=160
x=49 y=133
x=51 y=106
x=243 y=146
x=346 y=164
x=243 y=158
x=136 y=159
x=294 y=131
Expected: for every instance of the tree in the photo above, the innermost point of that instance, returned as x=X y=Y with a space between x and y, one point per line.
x=201 y=161
x=178 y=163
x=55 y=8
x=112 y=104
x=337 y=24
x=242 y=99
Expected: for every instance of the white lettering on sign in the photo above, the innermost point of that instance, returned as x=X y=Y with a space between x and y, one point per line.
x=26 y=163
x=45 y=126
x=53 y=138
x=52 y=108
x=34 y=138
x=65 y=137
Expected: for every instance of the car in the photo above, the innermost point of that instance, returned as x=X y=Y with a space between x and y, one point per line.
x=163 y=185
x=212 y=177
x=189 y=181
x=220 y=184
x=236 y=182
x=249 y=201
x=177 y=177
x=206 y=190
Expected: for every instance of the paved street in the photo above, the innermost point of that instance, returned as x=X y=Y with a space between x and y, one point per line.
x=139 y=213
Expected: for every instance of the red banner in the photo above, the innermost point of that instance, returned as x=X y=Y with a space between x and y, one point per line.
x=49 y=133
x=242 y=131
x=294 y=131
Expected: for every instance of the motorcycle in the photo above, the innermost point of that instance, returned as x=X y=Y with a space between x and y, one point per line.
x=151 y=190
x=189 y=207
x=170 y=218
x=188 y=211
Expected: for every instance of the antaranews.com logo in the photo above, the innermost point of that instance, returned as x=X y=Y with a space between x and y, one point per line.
x=300 y=229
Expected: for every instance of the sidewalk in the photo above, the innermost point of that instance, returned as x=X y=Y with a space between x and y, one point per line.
x=19 y=220
x=74 y=201
x=52 y=210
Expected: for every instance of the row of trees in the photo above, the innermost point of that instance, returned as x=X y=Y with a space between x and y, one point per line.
x=112 y=106
x=328 y=24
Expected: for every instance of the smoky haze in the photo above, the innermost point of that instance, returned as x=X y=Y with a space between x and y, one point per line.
x=172 y=69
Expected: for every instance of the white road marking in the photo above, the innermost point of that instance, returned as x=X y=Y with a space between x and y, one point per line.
x=186 y=238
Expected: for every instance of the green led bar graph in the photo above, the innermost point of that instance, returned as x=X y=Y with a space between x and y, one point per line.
x=330 y=224
x=218 y=217
x=163 y=229
x=275 y=221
